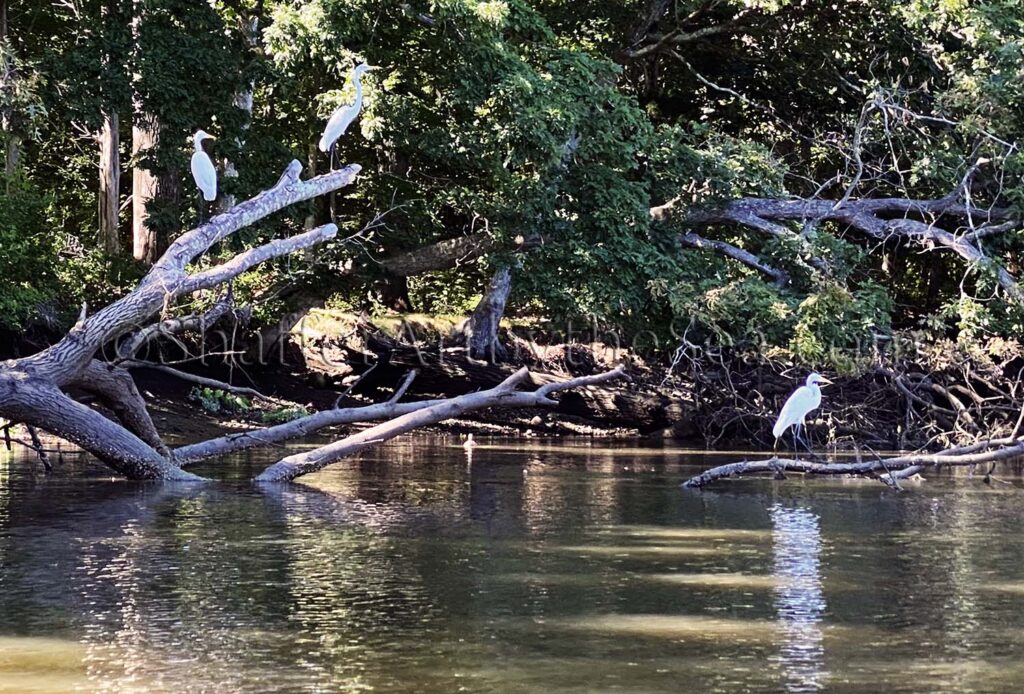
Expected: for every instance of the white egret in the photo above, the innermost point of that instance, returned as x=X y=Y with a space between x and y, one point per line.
x=344 y=115
x=469 y=444
x=202 y=167
x=802 y=402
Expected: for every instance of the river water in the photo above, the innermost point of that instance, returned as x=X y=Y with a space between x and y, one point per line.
x=538 y=566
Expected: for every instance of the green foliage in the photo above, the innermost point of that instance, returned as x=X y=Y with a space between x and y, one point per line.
x=529 y=120
x=283 y=414
x=216 y=401
x=833 y=324
x=28 y=254
x=21 y=100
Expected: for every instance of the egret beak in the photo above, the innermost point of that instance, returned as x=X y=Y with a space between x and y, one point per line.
x=825 y=381
x=373 y=67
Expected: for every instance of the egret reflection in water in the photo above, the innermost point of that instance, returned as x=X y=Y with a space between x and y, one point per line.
x=799 y=602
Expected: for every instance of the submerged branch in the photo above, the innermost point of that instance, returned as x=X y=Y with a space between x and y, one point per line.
x=502 y=395
x=886 y=468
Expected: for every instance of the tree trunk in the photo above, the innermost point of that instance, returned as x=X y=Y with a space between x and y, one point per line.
x=481 y=330
x=110 y=184
x=32 y=388
x=145 y=136
x=243 y=102
x=12 y=143
x=144 y=188
x=311 y=218
x=13 y=155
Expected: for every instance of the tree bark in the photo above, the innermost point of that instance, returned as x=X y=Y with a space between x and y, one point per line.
x=144 y=187
x=503 y=395
x=145 y=138
x=727 y=249
x=31 y=387
x=12 y=142
x=12 y=157
x=973 y=454
x=442 y=255
x=481 y=330
x=110 y=184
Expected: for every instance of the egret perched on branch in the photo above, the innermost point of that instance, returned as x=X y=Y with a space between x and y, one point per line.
x=802 y=402
x=202 y=167
x=344 y=115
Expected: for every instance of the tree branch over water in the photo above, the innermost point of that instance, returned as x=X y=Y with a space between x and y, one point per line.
x=887 y=469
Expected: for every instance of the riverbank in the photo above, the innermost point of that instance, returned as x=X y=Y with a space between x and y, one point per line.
x=704 y=400
x=936 y=395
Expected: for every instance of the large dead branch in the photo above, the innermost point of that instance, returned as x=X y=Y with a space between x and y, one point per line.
x=738 y=254
x=131 y=345
x=502 y=395
x=297 y=428
x=450 y=253
x=882 y=219
x=115 y=388
x=973 y=454
x=31 y=387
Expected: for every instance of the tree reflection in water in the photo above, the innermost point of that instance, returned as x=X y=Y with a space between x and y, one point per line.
x=799 y=602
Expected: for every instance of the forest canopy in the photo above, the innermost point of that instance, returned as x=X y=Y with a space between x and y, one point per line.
x=796 y=176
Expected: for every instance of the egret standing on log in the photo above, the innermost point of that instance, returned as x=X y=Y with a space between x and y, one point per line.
x=202 y=169
x=802 y=402
x=344 y=115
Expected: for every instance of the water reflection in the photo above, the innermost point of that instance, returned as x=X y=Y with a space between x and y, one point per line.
x=799 y=601
x=538 y=568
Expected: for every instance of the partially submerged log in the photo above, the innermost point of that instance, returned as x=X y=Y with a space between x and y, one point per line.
x=889 y=470
x=504 y=394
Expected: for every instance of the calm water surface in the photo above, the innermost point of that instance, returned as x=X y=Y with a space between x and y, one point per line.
x=538 y=567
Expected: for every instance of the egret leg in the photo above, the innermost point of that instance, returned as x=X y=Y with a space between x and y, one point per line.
x=802 y=440
x=330 y=198
x=796 y=437
x=202 y=208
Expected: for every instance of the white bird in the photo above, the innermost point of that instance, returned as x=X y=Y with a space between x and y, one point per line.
x=802 y=402
x=469 y=443
x=344 y=115
x=202 y=167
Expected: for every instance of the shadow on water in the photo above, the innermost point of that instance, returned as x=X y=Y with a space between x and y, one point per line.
x=536 y=566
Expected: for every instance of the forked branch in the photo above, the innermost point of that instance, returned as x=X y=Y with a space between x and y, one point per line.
x=502 y=395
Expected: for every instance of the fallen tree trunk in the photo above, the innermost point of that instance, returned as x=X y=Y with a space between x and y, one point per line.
x=502 y=395
x=32 y=388
x=886 y=469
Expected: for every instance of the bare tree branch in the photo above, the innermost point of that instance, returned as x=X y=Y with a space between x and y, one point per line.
x=727 y=249
x=881 y=219
x=131 y=345
x=502 y=395
x=986 y=452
